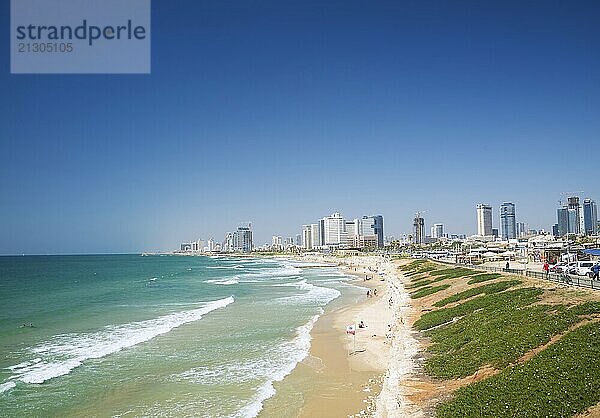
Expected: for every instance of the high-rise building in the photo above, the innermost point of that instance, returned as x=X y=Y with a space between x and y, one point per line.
x=307 y=237
x=378 y=228
x=484 y=220
x=299 y=240
x=555 y=230
x=571 y=217
x=210 y=245
x=562 y=224
x=334 y=230
x=315 y=233
x=242 y=240
x=590 y=217
x=228 y=242
x=277 y=242
x=419 y=230
x=508 y=221
x=521 y=229
x=372 y=225
x=437 y=231
x=353 y=228
x=574 y=215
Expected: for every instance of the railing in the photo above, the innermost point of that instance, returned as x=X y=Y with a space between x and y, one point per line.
x=562 y=278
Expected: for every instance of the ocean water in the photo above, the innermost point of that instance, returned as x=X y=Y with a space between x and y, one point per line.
x=126 y=335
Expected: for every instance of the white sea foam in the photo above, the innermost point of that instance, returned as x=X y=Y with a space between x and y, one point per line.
x=7 y=386
x=291 y=353
x=236 y=266
x=279 y=272
x=314 y=294
x=273 y=366
x=222 y=281
x=63 y=353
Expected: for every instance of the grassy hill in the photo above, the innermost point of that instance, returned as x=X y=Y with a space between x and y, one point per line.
x=536 y=344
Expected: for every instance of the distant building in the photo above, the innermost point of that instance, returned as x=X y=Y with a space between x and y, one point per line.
x=276 y=243
x=555 y=230
x=372 y=226
x=334 y=230
x=562 y=224
x=437 y=231
x=352 y=228
x=378 y=228
x=495 y=232
x=243 y=239
x=569 y=216
x=308 y=239
x=521 y=229
x=508 y=221
x=484 y=220
x=419 y=230
x=228 y=243
x=299 y=240
x=210 y=245
x=363 y=241
x=239 y=241
x=590 y=217
x=185 y=247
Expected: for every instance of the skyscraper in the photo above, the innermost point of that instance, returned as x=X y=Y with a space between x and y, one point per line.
x=419 y=229
x=437 y=231
x=242 y=239
x=353 y=227
x=310 y=236
x=372 y=225
x=484 y=220
x=507 y=220
x=334 y=230
x=574 y=215
x=570 y=217
x=562 y=218
x=590 y=217
x=521 y=229
x=378 y=227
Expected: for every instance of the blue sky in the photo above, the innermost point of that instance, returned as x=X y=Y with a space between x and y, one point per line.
x=282 y=112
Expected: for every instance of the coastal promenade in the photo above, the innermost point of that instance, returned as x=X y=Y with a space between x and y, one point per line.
x=535 y=273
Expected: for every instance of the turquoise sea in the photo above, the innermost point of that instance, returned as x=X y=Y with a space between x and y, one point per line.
x=131 y=335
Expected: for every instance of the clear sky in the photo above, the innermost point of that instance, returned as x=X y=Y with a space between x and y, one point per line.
x=282 y=112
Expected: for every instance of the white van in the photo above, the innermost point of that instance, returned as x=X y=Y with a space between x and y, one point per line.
x=582 y=268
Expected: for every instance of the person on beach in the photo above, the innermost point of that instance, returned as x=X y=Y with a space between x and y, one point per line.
x=361 y=324
x=507 y=266
x=546 y=268
x=375 y=292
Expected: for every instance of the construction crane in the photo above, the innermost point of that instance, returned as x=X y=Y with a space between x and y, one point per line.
x=419 y=213
x=566 y=195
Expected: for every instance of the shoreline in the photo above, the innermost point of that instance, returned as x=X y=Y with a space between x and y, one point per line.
x=356 y=376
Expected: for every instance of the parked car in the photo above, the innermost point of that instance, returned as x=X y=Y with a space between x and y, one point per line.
x=581 y=268
x=558 y=267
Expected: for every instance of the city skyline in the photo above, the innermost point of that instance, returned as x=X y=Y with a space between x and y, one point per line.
x=279 y=114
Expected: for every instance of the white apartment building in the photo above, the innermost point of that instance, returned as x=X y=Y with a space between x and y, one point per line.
x=484 y=220
x=334 y=230
x=437 y=231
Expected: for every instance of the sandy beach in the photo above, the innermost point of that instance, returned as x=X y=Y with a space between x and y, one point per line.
x=357 y=375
